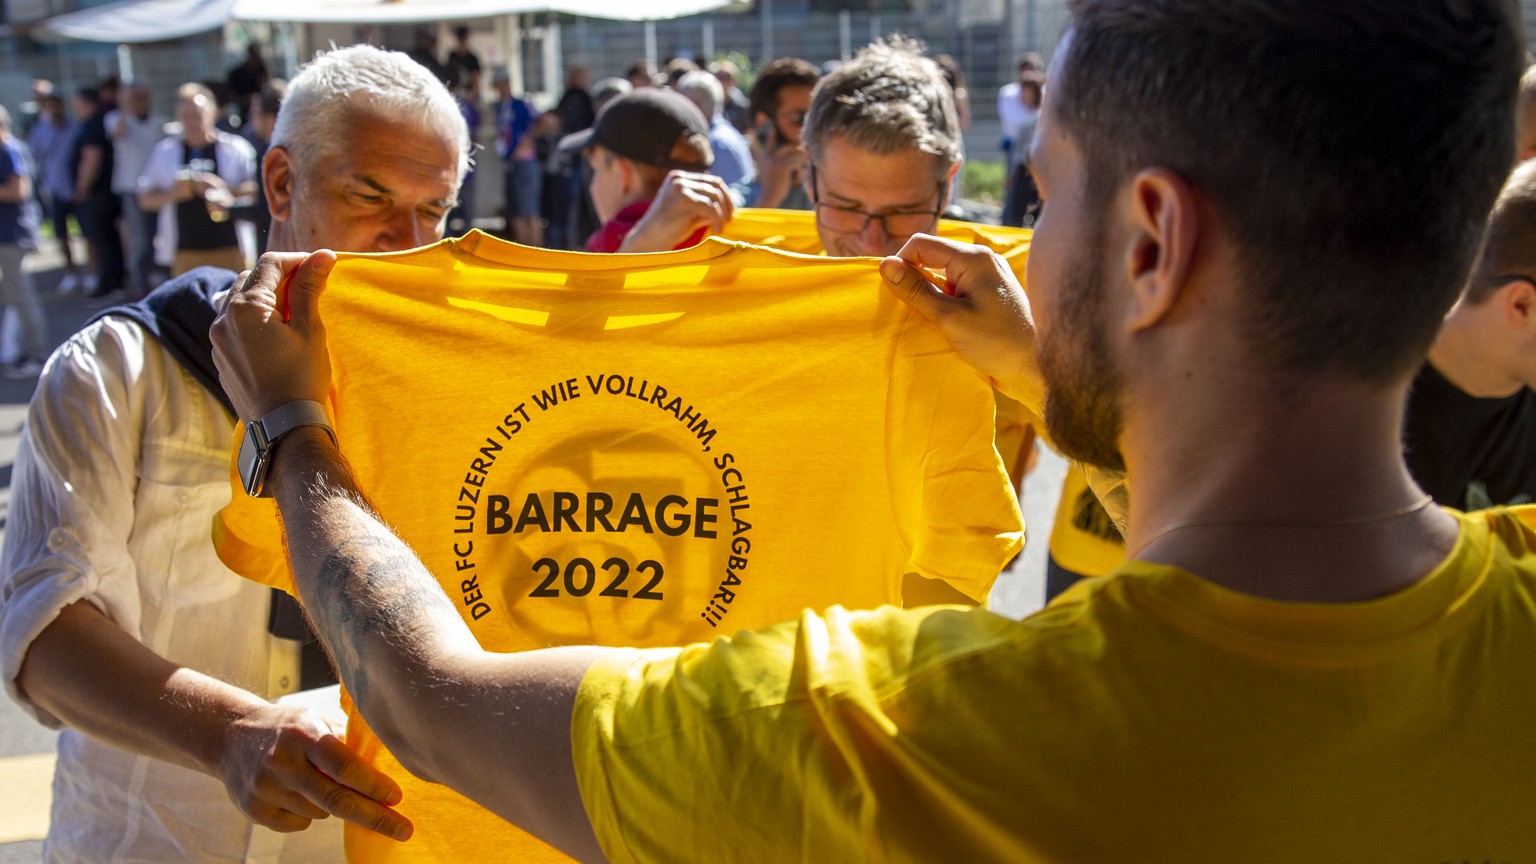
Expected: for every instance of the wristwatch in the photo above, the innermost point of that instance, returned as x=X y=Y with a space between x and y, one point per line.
x=261 y=437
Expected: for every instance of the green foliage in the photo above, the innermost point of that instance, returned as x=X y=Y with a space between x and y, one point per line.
x=984 y=180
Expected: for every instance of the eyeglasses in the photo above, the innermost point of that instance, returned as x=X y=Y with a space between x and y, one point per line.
x=848 y=220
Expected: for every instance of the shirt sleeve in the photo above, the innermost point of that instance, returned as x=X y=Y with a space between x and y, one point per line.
x=242 y=161
x=758 y=736
x=160 y=169
x=951 y=495
x=72 y=502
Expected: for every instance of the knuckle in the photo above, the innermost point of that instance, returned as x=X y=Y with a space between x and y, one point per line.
x=339 y=800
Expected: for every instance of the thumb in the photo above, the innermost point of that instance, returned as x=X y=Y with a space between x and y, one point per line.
x=909 y=284
x=298 y=298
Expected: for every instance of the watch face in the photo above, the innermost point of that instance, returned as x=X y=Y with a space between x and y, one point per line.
x=249 y=463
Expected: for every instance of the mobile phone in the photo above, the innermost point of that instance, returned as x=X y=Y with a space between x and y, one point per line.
x=765 y=133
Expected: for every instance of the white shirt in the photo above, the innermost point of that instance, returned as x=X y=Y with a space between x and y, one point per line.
x=130 y=153
x=120 y=467
x=233 y=156
x=1014 y=114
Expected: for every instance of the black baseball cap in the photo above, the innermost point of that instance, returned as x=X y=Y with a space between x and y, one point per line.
x=644 y=125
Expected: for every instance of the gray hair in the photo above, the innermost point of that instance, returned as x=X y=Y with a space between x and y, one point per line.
x=887 y=99
x=704 y=90
x=323 y=97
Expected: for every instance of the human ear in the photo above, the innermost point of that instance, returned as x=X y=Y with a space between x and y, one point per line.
x=1163 y=221
x=1519 y=300
x=277 y=180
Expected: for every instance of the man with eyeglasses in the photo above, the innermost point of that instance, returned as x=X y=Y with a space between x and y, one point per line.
x=882 y=140
x=1471 y=422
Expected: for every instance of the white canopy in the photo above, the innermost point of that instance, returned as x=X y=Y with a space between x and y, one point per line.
x=131 y=21
x=409 y=11
x=128 y=21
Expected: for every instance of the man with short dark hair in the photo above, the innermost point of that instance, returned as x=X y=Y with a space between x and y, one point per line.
x=780 y=97
x=1470 y=434
x=1303 y=660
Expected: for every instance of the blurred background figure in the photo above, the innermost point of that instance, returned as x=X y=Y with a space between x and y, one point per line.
x=245 y=80
x=18 y=236
x=737 y=108
x=95 y=205
x=641 y=73
x=954 y=76
x=1021 y=203
x=193 y=181
x=780 y=97
x=52 y=141
x=263 y=110
x=462 y=66
x=733 y=156
x=135 y=129
x=515 y=144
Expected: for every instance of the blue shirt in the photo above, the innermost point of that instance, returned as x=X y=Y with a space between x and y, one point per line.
x=18 y=221
x=733 y=158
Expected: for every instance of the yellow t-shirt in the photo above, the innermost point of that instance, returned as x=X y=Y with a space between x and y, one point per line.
x=1084 y=539
x=643 y=450
x=795 y=231
x=1149 y=716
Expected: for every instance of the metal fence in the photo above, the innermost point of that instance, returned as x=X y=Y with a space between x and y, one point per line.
x=984 y=37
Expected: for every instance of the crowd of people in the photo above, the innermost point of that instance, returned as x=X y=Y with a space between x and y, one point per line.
x=1249 y=272
x=148 y=203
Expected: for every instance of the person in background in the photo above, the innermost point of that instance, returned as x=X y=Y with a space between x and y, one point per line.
x=641 y=73
x=575 y=108
x=263 y=109
x=733 y=156
x=1021 y=201
x=517 y=146
x=649 y=145
x=462 y=217
x=18 y=237
x=780 y=97
x=462 y=66
x=52 y=142
x=1470 y=435
x=244 y=81
x=954 y=76
x=135 y=129
x=737 y=108
x=193 y=181
x=95 y=205
x=1525 y=116
x=1011 y=111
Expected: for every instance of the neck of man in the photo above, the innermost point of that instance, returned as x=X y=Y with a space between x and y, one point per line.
x=199 y=136
x=1299 y=494
x=1464 y=355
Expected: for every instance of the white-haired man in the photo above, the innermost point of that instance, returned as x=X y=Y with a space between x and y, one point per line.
x=118 y=621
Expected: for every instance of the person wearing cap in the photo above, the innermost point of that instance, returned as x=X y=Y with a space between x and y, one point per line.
x=647 y=146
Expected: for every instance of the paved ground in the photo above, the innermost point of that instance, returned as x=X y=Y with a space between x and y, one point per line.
x=26 y=748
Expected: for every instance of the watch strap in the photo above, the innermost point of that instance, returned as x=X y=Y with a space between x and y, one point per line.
x=292 y=415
